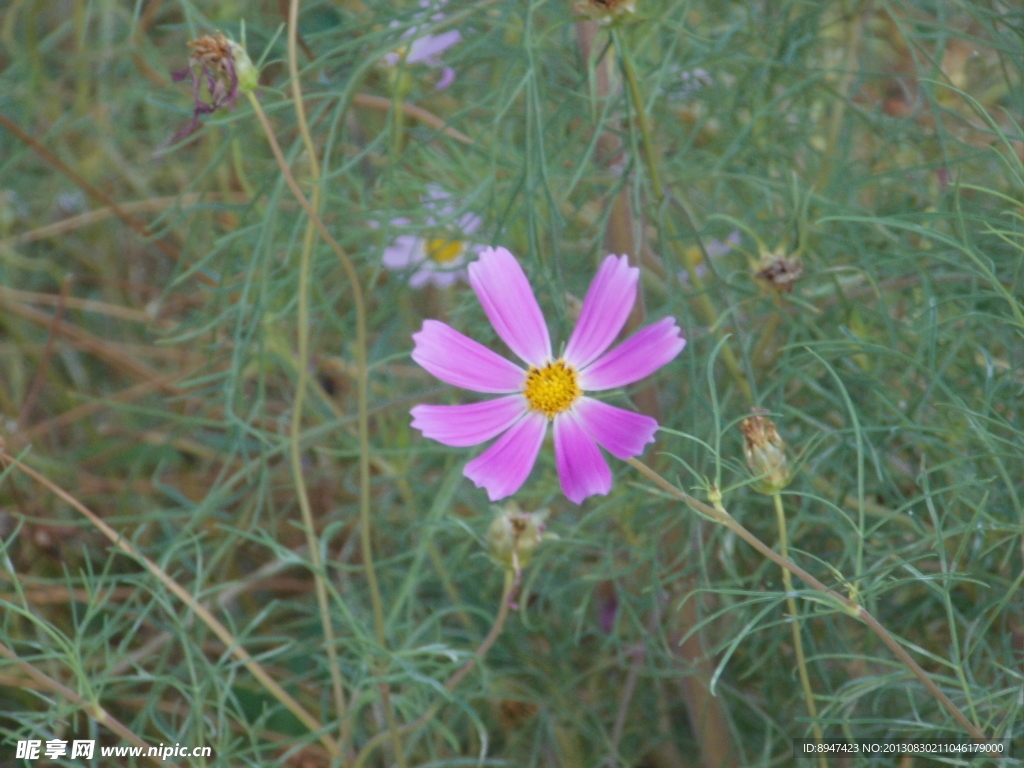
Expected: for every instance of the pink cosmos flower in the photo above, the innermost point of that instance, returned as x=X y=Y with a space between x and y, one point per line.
x=440 y=257
x=549 y=389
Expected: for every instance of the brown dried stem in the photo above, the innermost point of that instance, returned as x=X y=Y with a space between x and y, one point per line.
x=720 y=515
x=130 y=221
x=88 y=342
x=222 y=632
x=295 y=432
x=44 y=363
x=94 y=710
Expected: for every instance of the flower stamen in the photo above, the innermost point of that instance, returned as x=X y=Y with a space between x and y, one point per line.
x=444 y=251
x=553 y=388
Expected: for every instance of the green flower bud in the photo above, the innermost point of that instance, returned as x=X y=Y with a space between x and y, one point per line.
x=514 y=535
x=245 y=70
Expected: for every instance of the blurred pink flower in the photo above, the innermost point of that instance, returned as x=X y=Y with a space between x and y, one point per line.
x=428 y=50
x=549 y=389
x=439 y=259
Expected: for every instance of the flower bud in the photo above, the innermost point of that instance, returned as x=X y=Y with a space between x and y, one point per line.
x=514 y=535
x=766 y=453
x=245 y=70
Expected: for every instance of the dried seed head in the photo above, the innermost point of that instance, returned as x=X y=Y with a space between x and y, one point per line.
x=606 y=11
x=210 y=49
x=226 y=58
x=778 y=271
x=514 y=713
x=765 y=452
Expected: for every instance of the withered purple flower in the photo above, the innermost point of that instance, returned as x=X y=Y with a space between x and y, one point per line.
x=226 y=69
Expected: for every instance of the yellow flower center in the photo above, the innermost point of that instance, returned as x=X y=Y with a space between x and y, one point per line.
x=553 y=388
x=443 y=251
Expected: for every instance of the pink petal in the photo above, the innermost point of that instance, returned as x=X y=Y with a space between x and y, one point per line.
x=446 y=79
x=470 y=223
x=437 y=200
x=443 y=278
x=431 y=45
x=441 y=275
x=503 y=468
x=423 y=276
x=684 y=276
x=462 y=362
x=463 y=425
x=622 y=433
x=640 y=355
x=404 y=252
x=508 y=300
x=720 y=247
x=606 y=308
x=581 y=467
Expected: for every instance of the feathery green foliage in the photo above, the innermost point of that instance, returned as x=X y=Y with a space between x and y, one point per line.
x=149 y=367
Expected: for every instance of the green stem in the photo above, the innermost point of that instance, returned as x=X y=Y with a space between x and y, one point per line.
x=852 y=36
x=312 y=541
x=93 y=710
x=720 y=515
x=706 y=308
x=704 y=305
x=457 y=676
x=798 y=645
x=405 y=491
x=362 y=389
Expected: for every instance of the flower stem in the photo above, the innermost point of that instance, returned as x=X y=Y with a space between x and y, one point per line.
x=222 y=632
x=798 y=645
x=718 y=514
x=704 y=305
x=319 y=574
x=363 y=418
x=852 y=35
x=457 y=676
x=94 y=710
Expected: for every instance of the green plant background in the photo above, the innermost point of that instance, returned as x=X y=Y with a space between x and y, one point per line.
x=881 y=142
